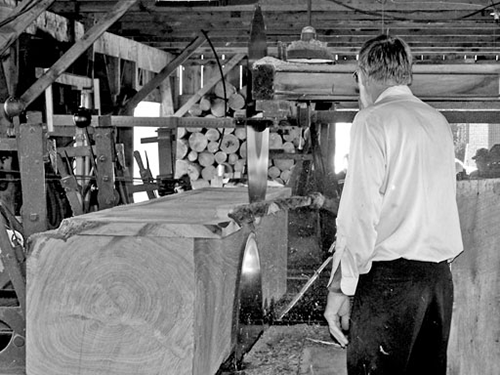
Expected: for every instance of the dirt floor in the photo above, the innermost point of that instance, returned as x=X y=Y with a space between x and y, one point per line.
x=300 y=343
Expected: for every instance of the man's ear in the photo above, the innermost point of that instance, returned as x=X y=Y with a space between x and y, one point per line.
x=365 y=98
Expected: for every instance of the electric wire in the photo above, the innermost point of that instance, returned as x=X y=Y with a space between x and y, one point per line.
x=221 y=74
x=398 y=18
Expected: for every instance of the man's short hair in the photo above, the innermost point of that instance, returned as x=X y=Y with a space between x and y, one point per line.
x=387 y=59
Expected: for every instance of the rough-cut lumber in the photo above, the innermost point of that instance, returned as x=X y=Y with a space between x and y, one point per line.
x=474 y=343
x=146 y=288
x=248 y=213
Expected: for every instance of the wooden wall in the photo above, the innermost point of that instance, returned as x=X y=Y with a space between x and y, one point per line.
x=475 y=339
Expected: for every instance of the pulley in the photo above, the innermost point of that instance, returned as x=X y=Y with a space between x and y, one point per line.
x=13 y=107
x=82 y=117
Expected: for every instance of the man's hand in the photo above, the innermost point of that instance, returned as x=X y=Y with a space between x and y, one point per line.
x=317 y=200
x=337 y=315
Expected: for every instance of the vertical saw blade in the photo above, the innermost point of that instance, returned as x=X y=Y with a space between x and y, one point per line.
x=257 y=160
x=257 y=138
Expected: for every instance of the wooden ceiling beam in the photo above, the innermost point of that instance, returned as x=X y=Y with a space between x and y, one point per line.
x=165 y=73
x=60 y=66
x=292 y=5
x=19 y=19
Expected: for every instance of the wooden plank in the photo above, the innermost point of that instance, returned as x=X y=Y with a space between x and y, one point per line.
x=165 y=73
x=146 y=57
x=74 y=52
x=183 y=110
x=80 y=82
x=209 y=206
x=474 y=347
x=22 y=16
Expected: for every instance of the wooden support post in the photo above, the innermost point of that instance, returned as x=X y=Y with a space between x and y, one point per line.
x=104 y=140
x=30 y=146
x=166 y=152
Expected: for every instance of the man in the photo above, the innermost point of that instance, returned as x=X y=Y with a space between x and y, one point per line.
x=397 y=225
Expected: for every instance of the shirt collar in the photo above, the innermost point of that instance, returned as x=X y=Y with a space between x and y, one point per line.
x=394 y=90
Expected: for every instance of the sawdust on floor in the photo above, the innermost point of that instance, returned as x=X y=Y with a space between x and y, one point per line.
x=294 y=350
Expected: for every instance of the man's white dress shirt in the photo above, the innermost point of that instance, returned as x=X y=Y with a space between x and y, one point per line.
x=399 y=197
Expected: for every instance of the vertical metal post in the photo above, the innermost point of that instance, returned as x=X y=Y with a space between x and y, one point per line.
x=104 y=136
x=30 y=148
x=166 y=152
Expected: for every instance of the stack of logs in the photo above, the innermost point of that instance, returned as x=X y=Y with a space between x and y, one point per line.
x=206 y=154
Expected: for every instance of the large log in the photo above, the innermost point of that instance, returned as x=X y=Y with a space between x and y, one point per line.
x=276 y=79
x=146 y=288
x=229 y=144
x=198 y=142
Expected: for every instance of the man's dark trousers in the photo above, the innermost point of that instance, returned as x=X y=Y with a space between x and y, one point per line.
x=400 y=321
